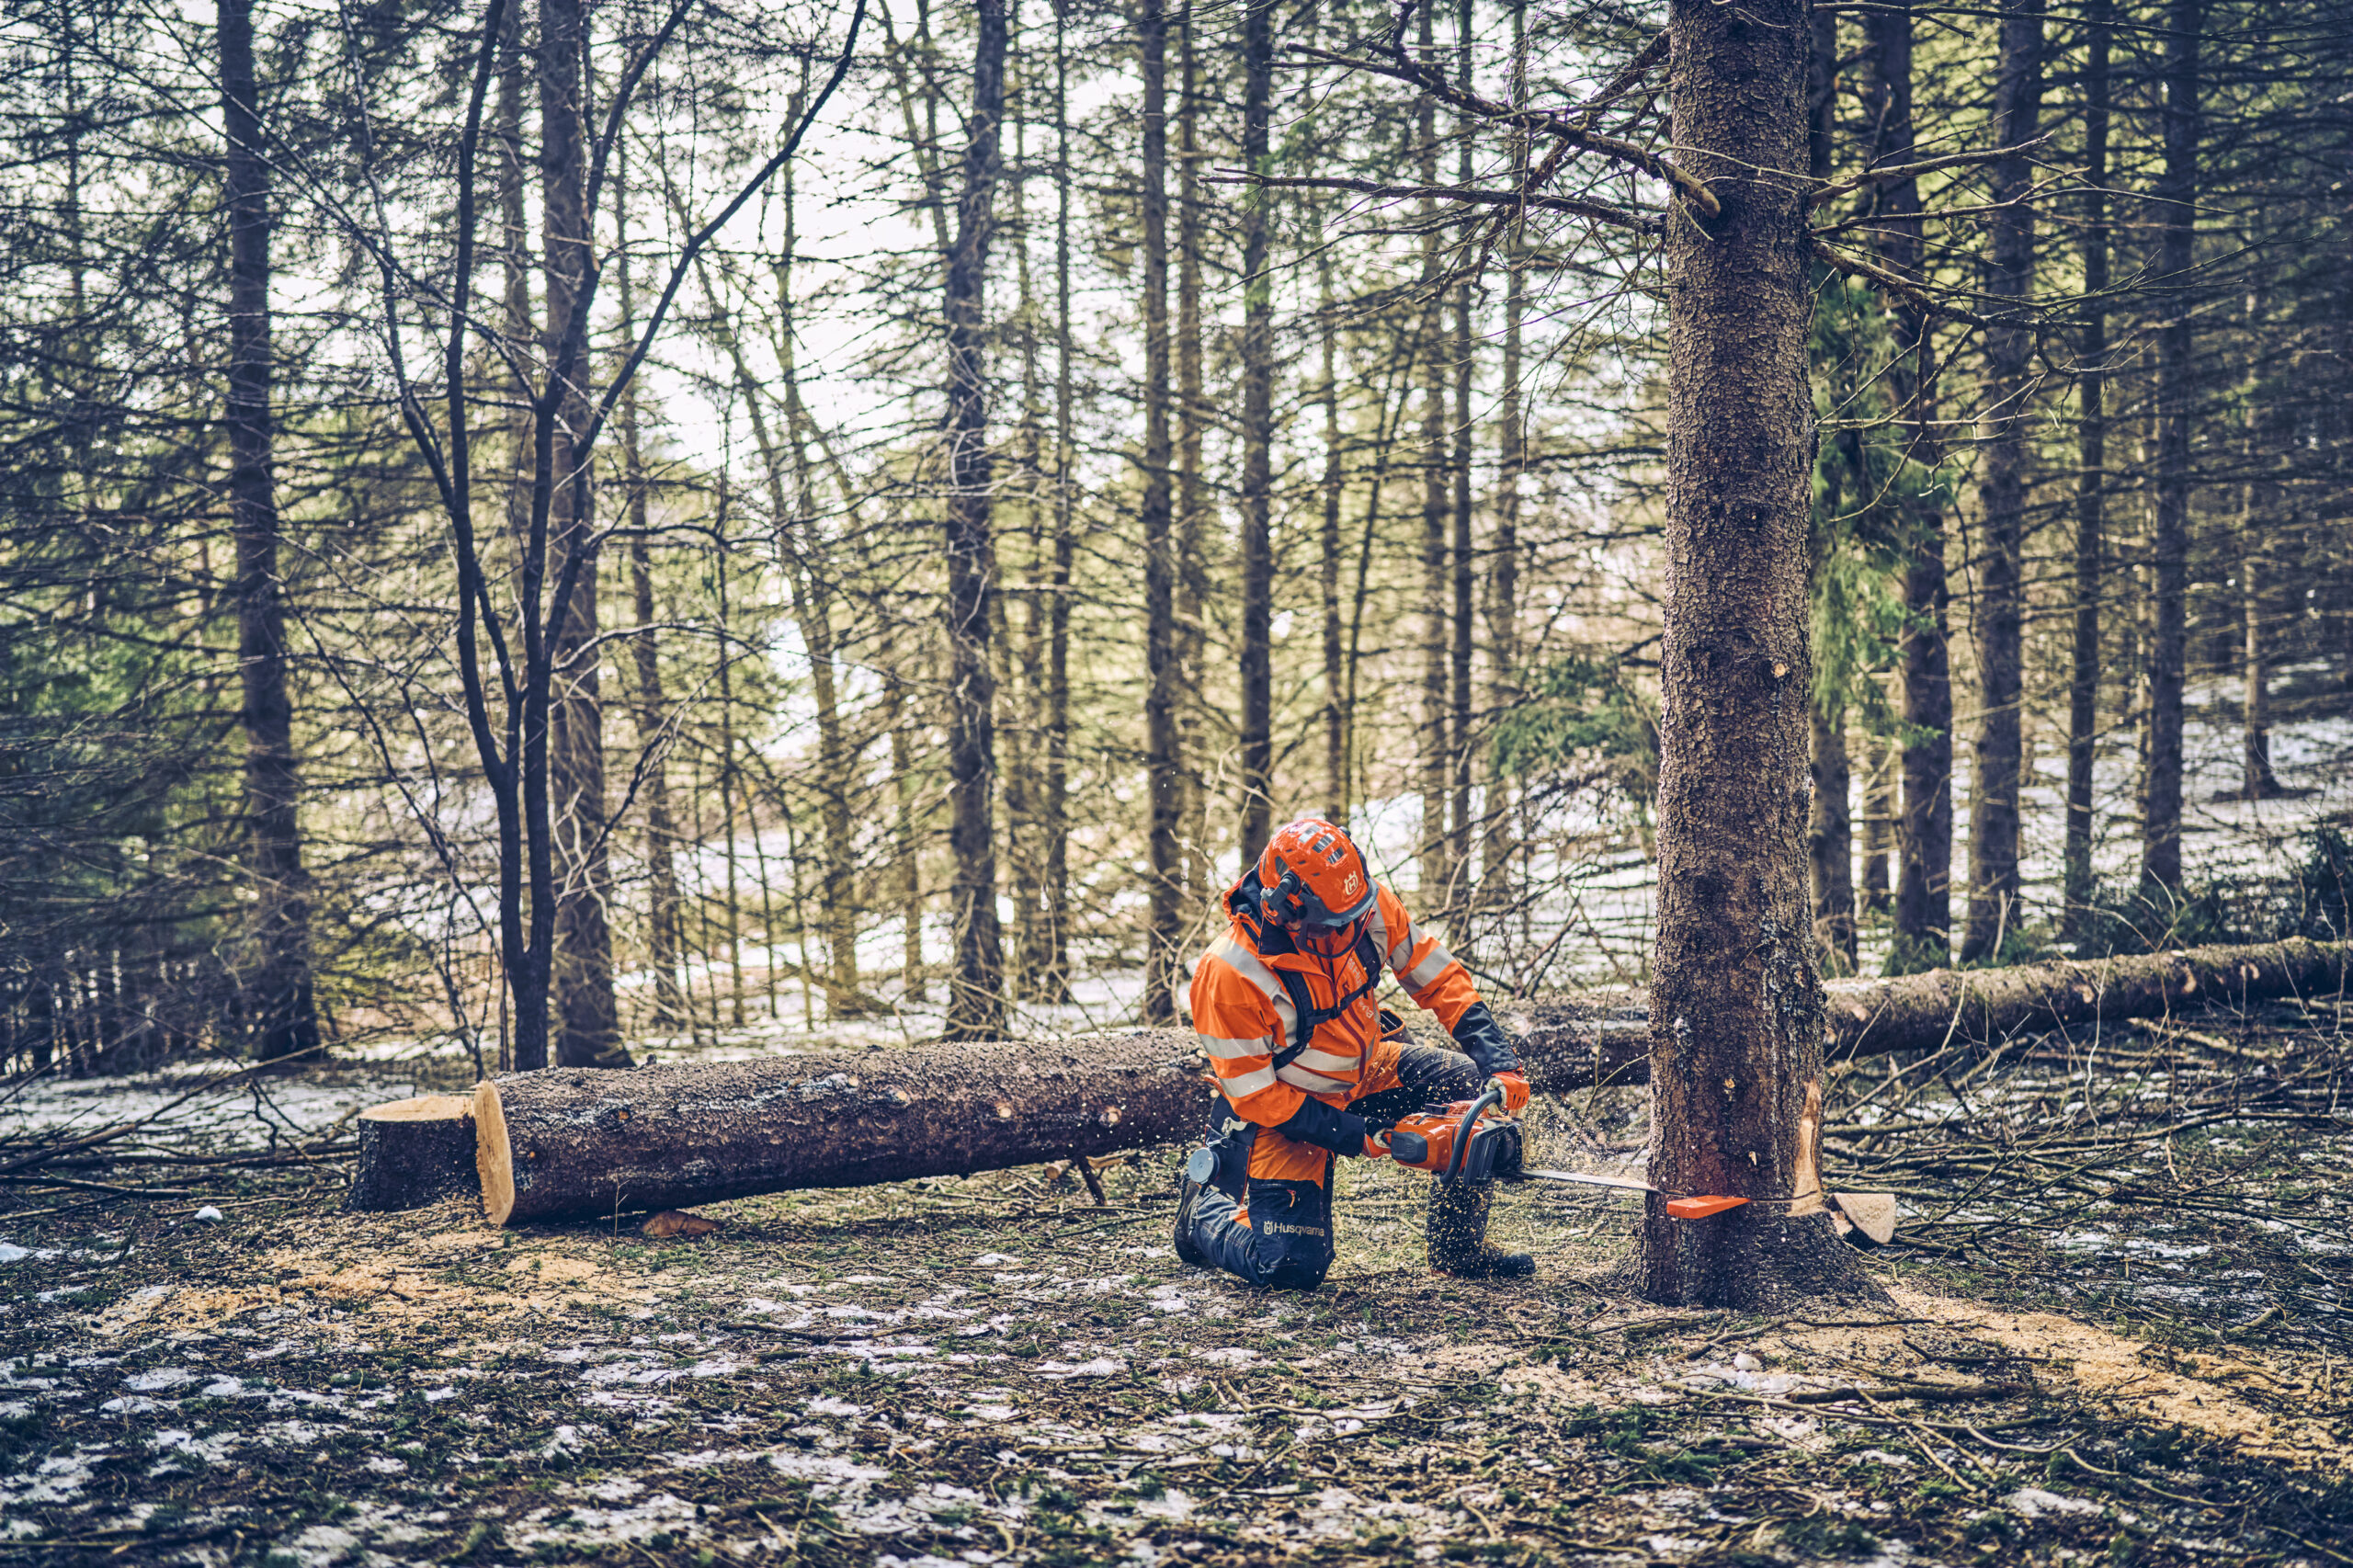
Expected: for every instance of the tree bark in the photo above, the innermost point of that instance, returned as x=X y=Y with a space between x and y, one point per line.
x=1503 y=570
x=1433 y=877
x=2258 y=782
x=1830 y=837
x=1830 y=829
x=1460 y=740
x=1336 y=728
x=2091 y=484
x=1736 y=1036
x=413 y=1153
x=2177 y=215
x=563 y=1144
x=976 y=991
x=1879 y=823
x=1192 y=493
x=280 y=1017
x=1053 y=985
x=1924 y=835
x=1164 y=902
x=645 y=647
x=1997 y=620
x=588 y=1026
x=1258 y=437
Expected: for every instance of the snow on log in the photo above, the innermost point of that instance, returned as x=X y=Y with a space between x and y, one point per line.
x=413 y=1153
x=569 y=1142
x=1573 y=1042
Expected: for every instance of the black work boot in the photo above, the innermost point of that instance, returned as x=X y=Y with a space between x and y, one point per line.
x=1458 y=1235
x=1187 y=1251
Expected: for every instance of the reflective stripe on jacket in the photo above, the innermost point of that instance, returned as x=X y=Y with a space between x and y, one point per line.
x=1244 y=1014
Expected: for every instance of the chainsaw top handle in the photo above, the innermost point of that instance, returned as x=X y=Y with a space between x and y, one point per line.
x=1493 y=1094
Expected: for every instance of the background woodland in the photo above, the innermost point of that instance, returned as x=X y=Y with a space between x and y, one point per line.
x=566 y=528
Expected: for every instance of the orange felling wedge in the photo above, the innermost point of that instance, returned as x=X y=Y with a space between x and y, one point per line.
x=1701 y=1208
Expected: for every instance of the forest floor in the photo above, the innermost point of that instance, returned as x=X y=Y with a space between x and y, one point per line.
x=998 y=1370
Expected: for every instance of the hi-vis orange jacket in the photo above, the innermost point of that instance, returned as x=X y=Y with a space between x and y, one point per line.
x=1245 y=1015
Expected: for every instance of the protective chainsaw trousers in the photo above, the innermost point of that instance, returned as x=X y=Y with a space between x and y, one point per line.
x=1281 y=1235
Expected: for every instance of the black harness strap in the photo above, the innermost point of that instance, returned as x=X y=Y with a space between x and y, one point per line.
x=1309 y=1017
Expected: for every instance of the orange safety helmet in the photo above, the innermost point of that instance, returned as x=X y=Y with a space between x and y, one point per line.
x=1312 y=877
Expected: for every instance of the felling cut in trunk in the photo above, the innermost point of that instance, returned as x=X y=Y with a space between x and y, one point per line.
x=567 y=1142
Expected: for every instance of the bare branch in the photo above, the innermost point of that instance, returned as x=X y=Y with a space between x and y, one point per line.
x=1649 y=224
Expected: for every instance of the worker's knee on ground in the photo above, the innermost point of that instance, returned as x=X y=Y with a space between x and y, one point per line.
x=1291 y=1224
x=1439 y=1075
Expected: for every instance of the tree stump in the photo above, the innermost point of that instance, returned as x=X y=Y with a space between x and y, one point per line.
x=413 y=1153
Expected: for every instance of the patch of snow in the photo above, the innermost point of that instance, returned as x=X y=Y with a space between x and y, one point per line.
x=1229 y=1355
x=994 y=1260
x=823 y=1468
x=1100 y=1366
x=2034 y=1503
x=157 y=1379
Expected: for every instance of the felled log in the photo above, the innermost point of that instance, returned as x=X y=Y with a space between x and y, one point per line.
x=565 y=1142
x=413 y=1153
x=574 y=1143
x=1575 y=1041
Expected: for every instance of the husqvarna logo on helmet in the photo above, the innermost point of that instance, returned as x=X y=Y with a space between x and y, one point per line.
x=1353 y=886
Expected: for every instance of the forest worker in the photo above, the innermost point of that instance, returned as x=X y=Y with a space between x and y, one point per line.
x=1283 y=1005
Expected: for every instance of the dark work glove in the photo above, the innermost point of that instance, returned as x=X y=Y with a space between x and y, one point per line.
x=1484 y=1042
x=1317 y=1123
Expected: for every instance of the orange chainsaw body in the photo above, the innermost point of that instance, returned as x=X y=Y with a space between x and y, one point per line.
x=1424 y=1140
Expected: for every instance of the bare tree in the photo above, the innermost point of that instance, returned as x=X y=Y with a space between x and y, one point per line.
x=281 y=1019
x=976 y=991
x=1994 y=792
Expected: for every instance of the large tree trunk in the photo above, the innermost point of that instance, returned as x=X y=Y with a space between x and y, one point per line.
x=1053 y=982
x=1503 y=570
x=564 y=1144
x=1434 y=876
x=1923 y=833
x=588 y=1026
x=2091 y=484
x=1737 y=1016
x=1994 y=792
x=1164 y=902
x=573 y=1145
x=1192 y=492
x=281 y=1018
x=1460 y=741
x=1830 y=829
x=1335 y=727
x=1258 y=437
x=976 y=991
x=2168 y=645
x=645 y=648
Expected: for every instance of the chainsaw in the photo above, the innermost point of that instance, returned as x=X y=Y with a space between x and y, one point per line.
x=1473 y=1141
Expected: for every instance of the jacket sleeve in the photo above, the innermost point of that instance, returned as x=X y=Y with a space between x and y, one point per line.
x=1240 y=1030
x=1433 y=977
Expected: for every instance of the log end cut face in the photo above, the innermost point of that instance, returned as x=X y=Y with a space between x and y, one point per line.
x=494 y=1156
